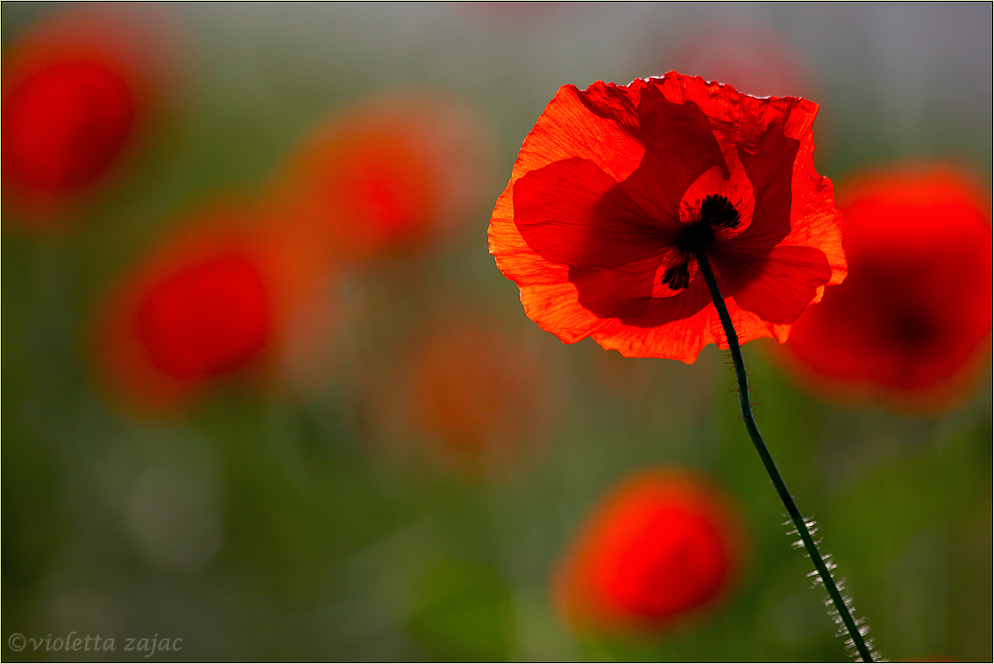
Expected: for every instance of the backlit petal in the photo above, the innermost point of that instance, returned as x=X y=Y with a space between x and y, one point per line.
x=573 y=213
x=590 y=223
x=778 y=288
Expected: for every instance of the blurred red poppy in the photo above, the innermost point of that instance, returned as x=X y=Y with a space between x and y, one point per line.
x=477 y=397
x=757 y=60
x=615 y=186
x=913 y=320
x=383 y=176
x=64 y=124
x=206 y=319
x=212 y=301
x=195 y=309
x=661 y=548
x=77 y=94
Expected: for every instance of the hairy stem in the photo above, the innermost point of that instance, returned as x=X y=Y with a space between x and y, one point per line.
x=771 y=467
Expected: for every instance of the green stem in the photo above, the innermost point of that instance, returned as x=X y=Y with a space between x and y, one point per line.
x=771 y=467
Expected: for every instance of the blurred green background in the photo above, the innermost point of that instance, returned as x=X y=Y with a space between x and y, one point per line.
x=287 y=526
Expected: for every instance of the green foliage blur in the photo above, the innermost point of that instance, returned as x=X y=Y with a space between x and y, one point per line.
x=281 y=526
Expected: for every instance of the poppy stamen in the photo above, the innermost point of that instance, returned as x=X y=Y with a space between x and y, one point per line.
x=676 y=277
x=716 y=212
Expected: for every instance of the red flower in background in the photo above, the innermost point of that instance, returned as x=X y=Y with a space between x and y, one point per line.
x=195 y=309
x=64 y=124
x=614 y=187
x=757 y=60
x=216 y=300
x=206 y=319
x=383 y=176
x=913 y=316
x=78 y=91
x=661 y=547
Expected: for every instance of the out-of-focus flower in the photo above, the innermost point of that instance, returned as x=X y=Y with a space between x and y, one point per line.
x=615 y=189
x=64 y=124
x=78 y=94
x=383 y=176
x=193 y=310
x=757 y=61
x=660 y=548
x=211 y=302
x=206 y=319
x=477 y=397
x=913 y=320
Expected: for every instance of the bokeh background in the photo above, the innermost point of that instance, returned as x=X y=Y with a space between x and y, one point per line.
x=401 y=476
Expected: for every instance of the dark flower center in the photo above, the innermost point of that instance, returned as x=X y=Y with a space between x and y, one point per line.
x=716 y=212
x=913 y=329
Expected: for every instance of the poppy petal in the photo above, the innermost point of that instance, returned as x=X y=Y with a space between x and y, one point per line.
x=626 y=294
x=769 y=169
x=573 y=213
x=778 y=289
x=671 y=129
x=567 y=128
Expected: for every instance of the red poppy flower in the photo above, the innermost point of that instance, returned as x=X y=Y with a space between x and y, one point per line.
x=914 y=316
x=206 y=319
x=77 y=92
x=64 y=124
x=229 y=296
x=660 y=547
x=199 y=307
x=614 y=187
x=383 y=176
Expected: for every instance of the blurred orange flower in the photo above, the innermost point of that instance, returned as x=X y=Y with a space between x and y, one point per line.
x=912 y=323
x=661 y=547
x=78 y=93
x=383 y=176
x=212 y=301
x=478 y=398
